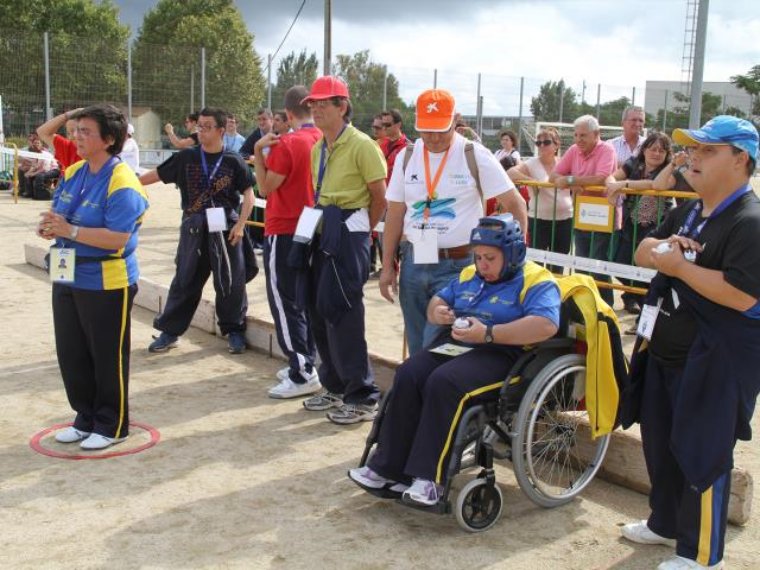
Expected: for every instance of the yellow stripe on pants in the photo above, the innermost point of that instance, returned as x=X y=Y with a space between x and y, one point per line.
x=124 y=316
x=455 y=422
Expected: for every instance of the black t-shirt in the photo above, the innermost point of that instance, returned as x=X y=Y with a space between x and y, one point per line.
x=246 y=149
x=184 y=169
x=731 y=244
x=194 y=136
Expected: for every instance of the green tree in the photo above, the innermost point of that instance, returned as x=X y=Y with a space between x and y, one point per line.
x=294 y=70
x=167 y=59
x=366 y=80
x=87 y=49
x=751 y=84
x=546 y=105
x=678 y=116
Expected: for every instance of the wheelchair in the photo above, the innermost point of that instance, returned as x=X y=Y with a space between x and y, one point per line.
x=539 y=422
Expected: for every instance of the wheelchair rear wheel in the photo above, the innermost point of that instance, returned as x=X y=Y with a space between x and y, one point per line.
x=479 y=505
x=554 y=456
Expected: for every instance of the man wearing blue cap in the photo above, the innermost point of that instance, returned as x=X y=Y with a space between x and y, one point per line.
x=694 y=377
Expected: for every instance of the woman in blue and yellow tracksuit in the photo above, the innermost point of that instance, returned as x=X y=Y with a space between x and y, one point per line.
x=507 y=303
x=96 y=213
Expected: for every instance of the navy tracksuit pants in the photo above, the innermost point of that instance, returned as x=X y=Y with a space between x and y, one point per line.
x=430 y=393
x=287 y=290
x=696 y=520
x=194 y=266
x=345 y=367
x=92 y=339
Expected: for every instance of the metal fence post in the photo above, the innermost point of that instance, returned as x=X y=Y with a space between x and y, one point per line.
x=435 y=79
x=478 y=108
x=269 y=81
x=665 y=111
x=48 y=108
x=633 y=96
x=520 y=114
x=203 y=77
x=598 y=100
x=561 y=99
x=129 y=80
x=385 y=90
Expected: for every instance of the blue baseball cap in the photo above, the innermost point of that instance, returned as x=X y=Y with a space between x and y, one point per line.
x=723 y=129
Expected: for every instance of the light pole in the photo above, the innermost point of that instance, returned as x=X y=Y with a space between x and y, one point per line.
x=328 y=37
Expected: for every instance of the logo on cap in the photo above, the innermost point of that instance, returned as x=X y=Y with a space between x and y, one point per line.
x=432 y=107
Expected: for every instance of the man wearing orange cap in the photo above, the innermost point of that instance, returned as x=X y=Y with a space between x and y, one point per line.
x=349 y=172
x=434 y=201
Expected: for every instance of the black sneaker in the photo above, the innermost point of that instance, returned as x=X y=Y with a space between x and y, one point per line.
x=163 y=343
x=236 y=343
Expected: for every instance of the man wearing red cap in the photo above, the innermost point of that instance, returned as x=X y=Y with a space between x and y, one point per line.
x=349 y=173
x=434 y=201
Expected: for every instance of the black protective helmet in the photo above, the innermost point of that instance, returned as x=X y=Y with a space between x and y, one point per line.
x=504 y=233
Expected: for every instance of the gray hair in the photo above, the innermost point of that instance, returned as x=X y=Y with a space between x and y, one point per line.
x=588 y=121
x=631 y=109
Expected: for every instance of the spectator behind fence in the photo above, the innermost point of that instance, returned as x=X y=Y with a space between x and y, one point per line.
x=284 y=179
x=550 y=210
x=232 y=140
x=131 y=152
x=629 y=143
x=395 y=140
x=641 y=214
x=280 y=124
x=694 y=384
x=348 y=171
x=64 y=148
x=32 y=172
x=671 y=177
x=264 y=120
x=508 y=140
x=588 y=162
x=433 y=203
x=191 y=125
x=95 y=216
x=506 y=303
x=211 y=182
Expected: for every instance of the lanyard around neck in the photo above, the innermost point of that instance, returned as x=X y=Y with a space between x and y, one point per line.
x=323 y=158
x=78 y=197
x=210 y=177
x=432 y=184
x=691 y=232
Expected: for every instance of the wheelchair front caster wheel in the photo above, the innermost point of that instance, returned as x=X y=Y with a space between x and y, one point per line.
x=478 y=506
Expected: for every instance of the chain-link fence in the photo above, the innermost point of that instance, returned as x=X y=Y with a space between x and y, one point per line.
x=41 y=75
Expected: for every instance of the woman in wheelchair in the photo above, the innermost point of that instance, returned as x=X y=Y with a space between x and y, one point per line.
x=491 y=310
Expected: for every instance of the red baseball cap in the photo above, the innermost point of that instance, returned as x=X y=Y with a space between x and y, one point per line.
x=326 y=87
x=435 y=111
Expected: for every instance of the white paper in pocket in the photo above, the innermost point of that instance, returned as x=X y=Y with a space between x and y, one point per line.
x=217 y=221
x=308 y=222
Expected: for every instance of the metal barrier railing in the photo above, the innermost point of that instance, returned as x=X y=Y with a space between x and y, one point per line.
x=10 y=165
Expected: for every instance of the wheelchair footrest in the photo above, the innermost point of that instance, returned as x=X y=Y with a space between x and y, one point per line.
x=440 y=508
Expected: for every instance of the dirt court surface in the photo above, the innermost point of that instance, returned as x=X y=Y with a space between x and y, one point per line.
x=239 y=480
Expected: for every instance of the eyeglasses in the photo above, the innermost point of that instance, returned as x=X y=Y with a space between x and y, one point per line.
x=206 y=128
x=323 y=103
x=377 y=127
x=387 y=125
x=545 y=142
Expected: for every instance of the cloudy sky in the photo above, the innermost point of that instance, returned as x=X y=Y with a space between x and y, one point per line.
x=619 y=44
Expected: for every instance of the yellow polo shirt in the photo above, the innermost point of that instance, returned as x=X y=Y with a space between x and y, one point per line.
x=354 y=162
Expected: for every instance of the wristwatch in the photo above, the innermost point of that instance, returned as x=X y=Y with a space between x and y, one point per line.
x=489 y=334
x=570 y=180
x=74 y=233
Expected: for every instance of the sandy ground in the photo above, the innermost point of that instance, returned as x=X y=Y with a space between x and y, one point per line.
x=239 y=480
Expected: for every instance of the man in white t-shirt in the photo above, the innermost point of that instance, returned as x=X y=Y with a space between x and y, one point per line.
x=433 y=204
x=130 y=153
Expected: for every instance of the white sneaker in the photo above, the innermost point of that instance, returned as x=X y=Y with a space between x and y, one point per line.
x=641 y=533
x=289 y=389
x=423 y=492
x=70 y=435
x=681 y=563
x=97 y=441
x=283 y=373
x=365 y=477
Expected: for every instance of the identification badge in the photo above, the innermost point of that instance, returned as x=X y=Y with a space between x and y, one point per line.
x=62 y=264
x=308 y=222
x=647 y=319
x=449 y=349
x=217 y=221
x=425 y=244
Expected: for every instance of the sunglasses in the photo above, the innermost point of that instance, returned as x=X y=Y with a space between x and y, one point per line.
x=545 y=142
x=377 y=126
x=387 y=125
